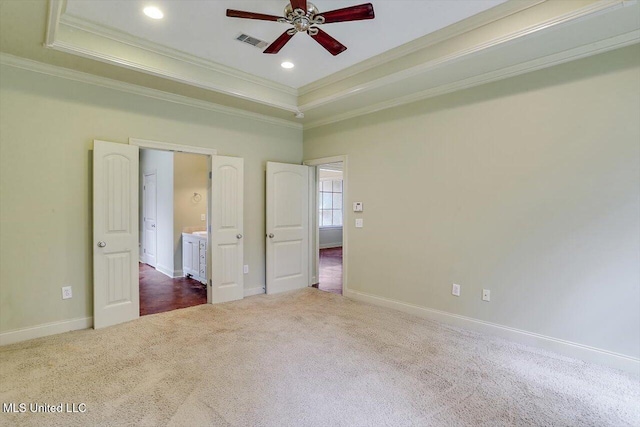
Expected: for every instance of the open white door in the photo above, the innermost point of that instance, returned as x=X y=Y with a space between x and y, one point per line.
x=116 y=296
x=227 y=248
x=149 y=215
x=287 y=227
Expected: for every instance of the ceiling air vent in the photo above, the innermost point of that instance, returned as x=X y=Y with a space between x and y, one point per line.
x=252 y=41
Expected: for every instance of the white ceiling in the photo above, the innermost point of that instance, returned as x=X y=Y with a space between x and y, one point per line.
x=200 y=28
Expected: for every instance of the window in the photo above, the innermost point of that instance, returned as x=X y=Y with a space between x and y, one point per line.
x=330 y=203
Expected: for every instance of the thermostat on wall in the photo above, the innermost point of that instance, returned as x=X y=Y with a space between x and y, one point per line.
x=357 y=206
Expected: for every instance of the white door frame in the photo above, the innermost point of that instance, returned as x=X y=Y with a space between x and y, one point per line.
x=314 y=244
x=166 y=146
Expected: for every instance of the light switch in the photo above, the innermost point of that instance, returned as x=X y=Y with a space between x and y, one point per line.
x=357 y=206
x=359 y=222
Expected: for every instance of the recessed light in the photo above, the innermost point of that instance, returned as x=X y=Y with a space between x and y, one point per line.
x=287 y=65
x=153 y=12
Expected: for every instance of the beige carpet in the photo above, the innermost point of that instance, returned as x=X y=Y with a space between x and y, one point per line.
x=305 y=358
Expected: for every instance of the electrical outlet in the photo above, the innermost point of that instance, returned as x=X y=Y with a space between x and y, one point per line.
x=455 y=290
x=486 y=295
x=246 y=269
x=203 y=217
x=66 y=292
x=359 y=223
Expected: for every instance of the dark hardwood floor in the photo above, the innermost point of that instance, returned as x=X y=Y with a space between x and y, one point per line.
x=331 y=270
x=159 y=293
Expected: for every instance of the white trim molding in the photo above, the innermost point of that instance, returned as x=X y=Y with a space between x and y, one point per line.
x=564 y=347
x=167 y=146
x=314 y=246
x=165 y=270
x=131 y=40
x=69 y=34
x=407 y=73
x=602 y=46
x=513 y=38
x=68 y=74
x=330 y=245
x=46 y=329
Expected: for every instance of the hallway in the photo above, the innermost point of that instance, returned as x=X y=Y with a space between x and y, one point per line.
x=331 y=270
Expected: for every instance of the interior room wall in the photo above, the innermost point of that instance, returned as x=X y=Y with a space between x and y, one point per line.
x=47 y=128
x=330 y=237
x=529 y=187
x=162 y=163
x=191 y=175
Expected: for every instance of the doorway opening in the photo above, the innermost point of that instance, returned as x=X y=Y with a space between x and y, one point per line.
x=174 y=196
x=329 y=226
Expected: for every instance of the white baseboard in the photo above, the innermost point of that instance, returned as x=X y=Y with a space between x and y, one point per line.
x=567 y=348
x=164 y=270
x=44 y=330
x=254 y=291
x=330 y=245
x=178 y=273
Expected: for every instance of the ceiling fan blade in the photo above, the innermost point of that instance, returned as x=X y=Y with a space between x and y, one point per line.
x=299 y=4
x=353 y=13
x=332 y=45
x=279 y=43
x=250 y=15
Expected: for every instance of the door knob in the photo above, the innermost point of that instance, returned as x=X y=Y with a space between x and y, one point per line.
x=239 y=236
x=271 y=235
x=153 y=226
x=102 y=244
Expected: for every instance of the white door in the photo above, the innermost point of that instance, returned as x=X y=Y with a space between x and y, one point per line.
x=115 y=233
x=227 y=248
x=150 y=207
x=287 y=227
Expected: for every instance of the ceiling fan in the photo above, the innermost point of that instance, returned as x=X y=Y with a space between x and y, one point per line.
x=305 y=18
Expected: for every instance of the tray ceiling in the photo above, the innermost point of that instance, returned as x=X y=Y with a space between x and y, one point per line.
x=119 y=47
x=200 y=28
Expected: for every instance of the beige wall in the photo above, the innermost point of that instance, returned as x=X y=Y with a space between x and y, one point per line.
x=528 y=187
x=191 y=175
x=47 y=128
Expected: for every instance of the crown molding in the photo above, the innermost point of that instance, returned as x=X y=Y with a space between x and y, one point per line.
x=65 y=73
x=604 y=5
x=70 y=35
x=73 y=49
x=54 y=12
x=602 y=46
x=484 y=18
x=137 y=42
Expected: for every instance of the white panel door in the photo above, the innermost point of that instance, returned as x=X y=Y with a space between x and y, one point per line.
x=150 y=207
x=115 y=234
x=227 y=248
x=287 y=227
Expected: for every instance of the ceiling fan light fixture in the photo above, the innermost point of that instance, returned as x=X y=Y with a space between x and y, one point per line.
x=287 y=65
x=153 y=12
x=304 y=17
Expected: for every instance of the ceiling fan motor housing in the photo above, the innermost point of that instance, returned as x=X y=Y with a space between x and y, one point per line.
x=302 y=20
